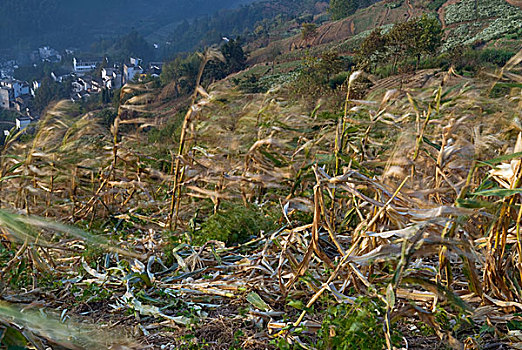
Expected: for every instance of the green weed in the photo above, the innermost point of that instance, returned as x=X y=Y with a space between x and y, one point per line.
x=234 y=224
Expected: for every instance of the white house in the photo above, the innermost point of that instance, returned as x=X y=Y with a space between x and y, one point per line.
x=6 y=97
x=81 y=66
x=155 y=69
x=49 y=54
x=130 y=71
x=134 y=61
x=111 y=78
x=36 y=86
x=19 y=88
x=22 y=122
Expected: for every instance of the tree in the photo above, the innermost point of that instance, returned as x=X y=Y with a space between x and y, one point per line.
x=429 y=36
x=373 y=49
x=314 y=77
x=343 y=8
x=235 y=58
x=308 y=31
x=50 y=91
x=400 y=40
x=412 y=38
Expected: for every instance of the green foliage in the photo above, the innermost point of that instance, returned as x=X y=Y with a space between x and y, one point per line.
x=234 y=224
x=357 y=326
x=38 y=72
x=8 y=117
x=252 y=21
x=498 y=57
x=515 y=324
x=413 y=38
x=434 y=5
x=342 y=8
x=308 y=31
x=314 y=78
x=63 y=23
x=394 y=4
x=12 y=339
x=167 y=134
x=120 y=49
x=183 y=70
x=250 y=84
x=372 y=50
x=235 y=58
x=107 y=116
x=50 y=91
x=351 y=327
x=338 y=80
x=467 y=59
x=94 y=292
x=503 y=89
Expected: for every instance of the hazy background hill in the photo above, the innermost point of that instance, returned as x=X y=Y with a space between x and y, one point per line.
x=25 y=24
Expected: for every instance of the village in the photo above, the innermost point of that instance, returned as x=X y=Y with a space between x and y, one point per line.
x=82 y=77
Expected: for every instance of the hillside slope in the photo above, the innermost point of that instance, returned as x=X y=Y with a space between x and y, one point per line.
x=494 y=20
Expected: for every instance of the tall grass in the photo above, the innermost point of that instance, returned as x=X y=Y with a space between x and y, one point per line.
x=411 y=197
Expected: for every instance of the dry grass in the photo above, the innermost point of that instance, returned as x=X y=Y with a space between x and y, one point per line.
x=414 y=195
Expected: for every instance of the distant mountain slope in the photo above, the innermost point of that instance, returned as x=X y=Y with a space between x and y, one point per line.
x=26 y=23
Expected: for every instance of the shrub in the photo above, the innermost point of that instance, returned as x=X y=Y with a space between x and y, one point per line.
x=434 y=5
x=498 y=57
x=351 y=327
x=250 y=84
x=234 y=224
x=503 y=89
x=358 y=326
x=338 y=80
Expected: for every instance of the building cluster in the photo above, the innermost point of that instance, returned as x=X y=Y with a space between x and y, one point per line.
x=85 y=80
x=112 y=77
x=14 y=94
x=46 y=54
x=7 y=68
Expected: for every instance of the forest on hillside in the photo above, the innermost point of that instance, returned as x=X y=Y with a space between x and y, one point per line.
x=25 y=24
x=257 y=20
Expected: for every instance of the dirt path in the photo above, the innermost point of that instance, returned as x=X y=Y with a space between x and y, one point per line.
x=517 y=3
x=410 y=9
x=381 y=21
x=442 y=12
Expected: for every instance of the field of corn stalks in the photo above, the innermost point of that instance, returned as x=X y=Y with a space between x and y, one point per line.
x=407 y=202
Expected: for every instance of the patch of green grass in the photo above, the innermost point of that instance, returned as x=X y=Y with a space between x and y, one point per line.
x=168 y=133
x=350 y=327
x=358 y=326
x=234 y=223
x=434 y=5
x=503 y=89
x=94 y=292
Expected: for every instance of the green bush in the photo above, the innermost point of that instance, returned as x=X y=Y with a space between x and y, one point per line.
x=338 y=80
x=234 y=224
x=434 y=5
x=358 y=326
x=351 y=327
x=168 y=133
x=503 y=89
x=498 y=57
